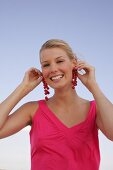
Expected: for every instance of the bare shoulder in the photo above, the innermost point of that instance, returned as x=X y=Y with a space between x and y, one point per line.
x=85 y=102
x=31 y=106
x=85 y=105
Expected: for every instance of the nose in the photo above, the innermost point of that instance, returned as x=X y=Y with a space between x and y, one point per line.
x=53 y=68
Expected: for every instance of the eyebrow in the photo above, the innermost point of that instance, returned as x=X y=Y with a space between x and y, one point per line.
x=55 y=59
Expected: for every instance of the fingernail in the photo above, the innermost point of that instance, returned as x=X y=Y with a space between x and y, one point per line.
x=40 y=78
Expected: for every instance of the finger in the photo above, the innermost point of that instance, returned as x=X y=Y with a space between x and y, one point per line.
x=35 y=71
x=40 y=79
x=38 y=71
x=83 y=66
x=80 y=67
x=81 y=61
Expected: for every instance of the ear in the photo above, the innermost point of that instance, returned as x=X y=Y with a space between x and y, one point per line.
x=74 y=62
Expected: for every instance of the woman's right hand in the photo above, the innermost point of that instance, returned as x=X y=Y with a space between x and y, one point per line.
x=32 y=78
x=11 y=123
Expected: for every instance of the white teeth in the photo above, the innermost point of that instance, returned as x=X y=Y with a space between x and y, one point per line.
x=56 y=77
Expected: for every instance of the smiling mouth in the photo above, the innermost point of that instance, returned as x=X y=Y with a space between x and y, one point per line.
x=58 y=77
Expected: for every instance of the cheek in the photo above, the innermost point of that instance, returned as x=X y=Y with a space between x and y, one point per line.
x=67 y=69
x=45 y=72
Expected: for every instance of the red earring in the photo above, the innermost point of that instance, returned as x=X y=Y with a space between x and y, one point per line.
x=46 y=89
x=74 y=78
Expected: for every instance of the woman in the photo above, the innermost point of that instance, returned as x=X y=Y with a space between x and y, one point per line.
x=64 y=128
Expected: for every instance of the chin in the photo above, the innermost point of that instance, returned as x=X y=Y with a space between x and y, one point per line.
x=59 y=87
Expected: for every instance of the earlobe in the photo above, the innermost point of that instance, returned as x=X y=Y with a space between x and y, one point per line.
x=74 y=62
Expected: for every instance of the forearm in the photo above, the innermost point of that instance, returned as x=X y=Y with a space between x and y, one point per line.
x=9 y=103
x=104 y=109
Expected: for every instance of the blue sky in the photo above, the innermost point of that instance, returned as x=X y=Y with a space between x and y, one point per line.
x=24 y=26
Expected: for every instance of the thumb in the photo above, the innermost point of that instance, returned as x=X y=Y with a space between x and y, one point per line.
x=40 y=79
x=79 y=76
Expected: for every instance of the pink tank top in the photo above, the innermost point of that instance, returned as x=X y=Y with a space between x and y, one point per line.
x=54 y=146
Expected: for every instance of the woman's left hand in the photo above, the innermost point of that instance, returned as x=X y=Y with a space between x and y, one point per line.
x=86 y=74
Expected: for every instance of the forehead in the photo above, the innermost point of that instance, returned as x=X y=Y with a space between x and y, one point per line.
x=52 y=53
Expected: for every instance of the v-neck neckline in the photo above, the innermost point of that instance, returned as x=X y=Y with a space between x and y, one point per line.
x=58 y=122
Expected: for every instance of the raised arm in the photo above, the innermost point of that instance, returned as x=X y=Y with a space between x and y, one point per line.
x=11 y=123
x=104 y=106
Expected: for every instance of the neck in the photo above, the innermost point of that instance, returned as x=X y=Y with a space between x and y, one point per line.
x=65 y=96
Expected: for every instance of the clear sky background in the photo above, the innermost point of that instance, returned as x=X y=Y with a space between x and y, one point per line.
x=87 y=25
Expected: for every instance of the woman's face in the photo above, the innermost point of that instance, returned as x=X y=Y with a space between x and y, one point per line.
x=56 y=67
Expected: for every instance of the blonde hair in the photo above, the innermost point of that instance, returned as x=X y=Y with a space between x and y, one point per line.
x=57 y=43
